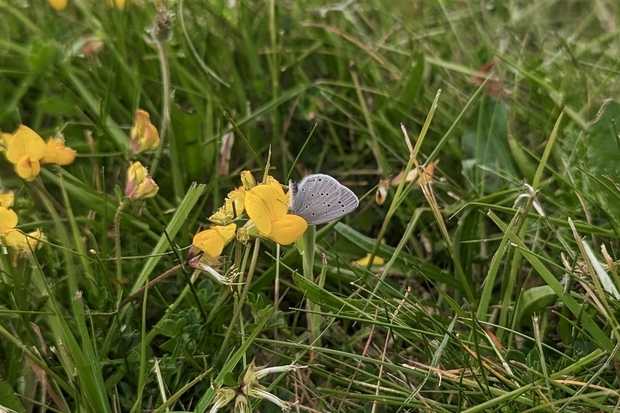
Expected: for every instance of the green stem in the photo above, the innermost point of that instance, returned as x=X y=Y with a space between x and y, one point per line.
x=244 y=293
x=309 y=241
x=117 y=241
x=413 y=151
x=165 y=110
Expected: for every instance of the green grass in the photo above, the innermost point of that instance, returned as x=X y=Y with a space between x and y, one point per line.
x=469 y=312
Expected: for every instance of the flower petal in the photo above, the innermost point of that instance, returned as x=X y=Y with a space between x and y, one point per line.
x=25 y=142
x=287 y=229
x=227 y=232
x=272 y=204
x=5 y=141
x=258 y=210
x=235 y=202
x=365 y=260
x=7 y=200
x=57 y=152
x=8 y=220
x=58 y=5
x=212 y=241
x=28 y=168
x=143 y=135
x=15 y=239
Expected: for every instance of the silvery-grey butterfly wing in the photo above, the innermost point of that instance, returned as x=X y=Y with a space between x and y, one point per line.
x=320 y=198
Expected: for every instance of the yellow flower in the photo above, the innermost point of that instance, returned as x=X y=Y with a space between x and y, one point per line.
x=5 y=141
x=120 y=4
x=7 y=200
x=62 y=4
x=247 y=179
x=8 y=220
x=365 y=260
x=139 y=183
x=57 y=152
x=267 y=207
x=143 y=135
x=212 y=241
x=233 y=207
x=25 y=151
x=58 y=4
x=25 y=243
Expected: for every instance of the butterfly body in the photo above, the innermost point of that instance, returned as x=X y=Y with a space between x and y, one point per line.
x=320 y=198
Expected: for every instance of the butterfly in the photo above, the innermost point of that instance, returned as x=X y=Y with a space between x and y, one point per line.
x=320 y=198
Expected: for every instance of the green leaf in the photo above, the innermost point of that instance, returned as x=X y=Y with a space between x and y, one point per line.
x=603 y=152
x=8 y=399
x=403 y=260
x=317 y=294
x=535 y=300
x=229 y=380
x=487 y=154
x=42 y=54
x=604 y=143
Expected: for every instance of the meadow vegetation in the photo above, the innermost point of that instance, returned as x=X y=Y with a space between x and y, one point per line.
x=477 y=274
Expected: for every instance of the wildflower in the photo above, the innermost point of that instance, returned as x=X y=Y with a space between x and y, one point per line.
x=200 y=262
x=212 y=241
x=382 y=192
x=529 y=192
x=162 y=25
x=233 y=207
x=5 y=141
x=58 y=5
x=91 y=45
x=139 y=183
x=267 y=207
x=120 y=4
x=143 y=135
x=250 y=387
x=241 y=404
x=365 y=260
x=8 y=220
x=222 y=398
x=248 y=180
x=25 y=243
x=25 y=151
x=57 y=152
x=245 y=232
x=7 y=199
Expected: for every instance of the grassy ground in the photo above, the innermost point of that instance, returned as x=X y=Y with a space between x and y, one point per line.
x=494 y=295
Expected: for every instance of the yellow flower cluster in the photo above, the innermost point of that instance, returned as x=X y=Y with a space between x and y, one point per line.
x=266 y=206
x=12 y=237
x=142 y=137
x=27 y=151
x=139 y=184
x=62 y=4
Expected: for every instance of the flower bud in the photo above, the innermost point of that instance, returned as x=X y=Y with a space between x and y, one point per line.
x=143 y=135
x=139 y=184
x=162 y=25
x=248 y=180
